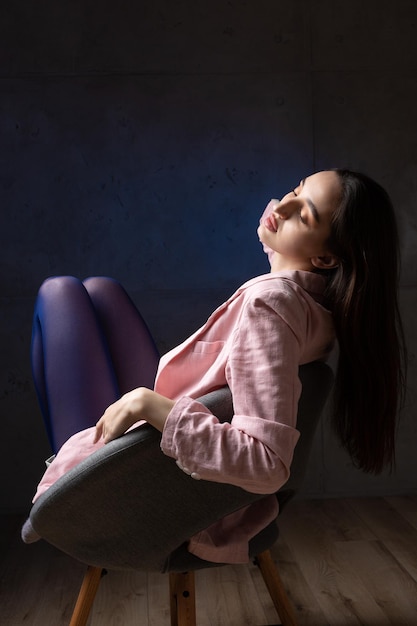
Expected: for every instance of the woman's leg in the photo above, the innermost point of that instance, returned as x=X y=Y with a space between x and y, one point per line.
x=86 y=339
x=71 y=363
x=133 y=352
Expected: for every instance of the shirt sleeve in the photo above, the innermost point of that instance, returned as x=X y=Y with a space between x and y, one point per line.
x=255 y=450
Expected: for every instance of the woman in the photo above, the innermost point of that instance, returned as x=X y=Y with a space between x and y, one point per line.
x=333 y=251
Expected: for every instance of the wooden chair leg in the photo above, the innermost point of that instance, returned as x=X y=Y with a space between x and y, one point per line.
x=182 y=599
x=276 y=588
x=86 y=596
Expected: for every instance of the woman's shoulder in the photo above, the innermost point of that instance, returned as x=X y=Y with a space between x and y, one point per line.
x=285 y=284
x=293 y=298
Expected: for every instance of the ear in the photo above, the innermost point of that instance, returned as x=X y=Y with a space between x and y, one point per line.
x=328 y=262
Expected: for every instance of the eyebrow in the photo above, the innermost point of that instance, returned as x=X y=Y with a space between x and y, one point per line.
x=311 y=204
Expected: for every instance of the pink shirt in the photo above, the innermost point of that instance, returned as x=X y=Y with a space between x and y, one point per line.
x=254 y=343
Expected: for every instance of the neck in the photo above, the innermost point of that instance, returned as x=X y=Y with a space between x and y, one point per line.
x=280 y=264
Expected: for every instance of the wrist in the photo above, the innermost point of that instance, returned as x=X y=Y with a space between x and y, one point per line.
x=155 y=408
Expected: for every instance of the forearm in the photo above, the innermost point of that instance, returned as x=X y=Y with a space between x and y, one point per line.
x=252 y=453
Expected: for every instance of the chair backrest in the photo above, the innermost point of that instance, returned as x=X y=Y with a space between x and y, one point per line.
x=317 y=381
x=113 y=509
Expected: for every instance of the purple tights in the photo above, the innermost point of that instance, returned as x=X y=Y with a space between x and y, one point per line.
x=90 y=345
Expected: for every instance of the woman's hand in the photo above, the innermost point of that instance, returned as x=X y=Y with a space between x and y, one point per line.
x=139 y=404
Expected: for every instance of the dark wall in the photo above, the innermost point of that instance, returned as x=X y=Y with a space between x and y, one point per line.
x=142 y=140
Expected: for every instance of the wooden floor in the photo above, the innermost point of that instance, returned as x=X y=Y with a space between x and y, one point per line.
x=344 y=562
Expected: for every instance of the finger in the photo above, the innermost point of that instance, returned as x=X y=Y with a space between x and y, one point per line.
x=112 y=432
x=99 y=431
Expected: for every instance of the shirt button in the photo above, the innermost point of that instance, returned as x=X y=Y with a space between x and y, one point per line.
x=195 y=476
x=184 y=469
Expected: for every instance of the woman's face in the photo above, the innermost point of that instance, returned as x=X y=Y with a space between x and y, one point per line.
x=297 y=228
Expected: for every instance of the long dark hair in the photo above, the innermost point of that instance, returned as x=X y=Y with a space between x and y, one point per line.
x=371 y=371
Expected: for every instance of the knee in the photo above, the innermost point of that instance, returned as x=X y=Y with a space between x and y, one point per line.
x=101 y=285
x=57 y=286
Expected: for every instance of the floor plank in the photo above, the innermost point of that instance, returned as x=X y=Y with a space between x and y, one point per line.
x=300 y=591
x=392 y=528
x=386 y=585
x=405 y=506
x=325 y=538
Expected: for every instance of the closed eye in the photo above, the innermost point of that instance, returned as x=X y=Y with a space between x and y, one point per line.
x=301 y=217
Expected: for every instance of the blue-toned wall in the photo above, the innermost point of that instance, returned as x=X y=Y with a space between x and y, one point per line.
x=142 y=140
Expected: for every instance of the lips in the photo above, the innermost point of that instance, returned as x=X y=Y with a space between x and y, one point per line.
x=270 y=223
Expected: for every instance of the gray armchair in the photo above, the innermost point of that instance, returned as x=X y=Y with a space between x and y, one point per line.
x=128 y=506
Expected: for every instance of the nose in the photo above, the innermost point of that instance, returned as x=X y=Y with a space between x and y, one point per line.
x=283 y=211
x=287 y=207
